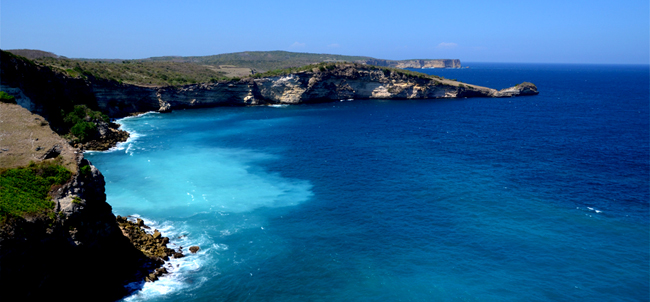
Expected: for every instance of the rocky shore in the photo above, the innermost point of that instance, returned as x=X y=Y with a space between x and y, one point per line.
x=108 y=136
x=152 y=245
x=78 y=243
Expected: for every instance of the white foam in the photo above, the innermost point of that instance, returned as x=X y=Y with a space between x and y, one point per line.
x=133 y=136
x=592 y=209
x=279 y=105
x=180 y=271
x=135 y=116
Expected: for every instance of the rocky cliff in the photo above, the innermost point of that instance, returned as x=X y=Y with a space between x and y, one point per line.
x=75 y=251
x=437 y=63
x=320 y=83
x=336 y=82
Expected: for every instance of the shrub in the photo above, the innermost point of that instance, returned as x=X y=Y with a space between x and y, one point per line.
x=82 y=121
x=7 y=98
x=85 y=170
x=25 y=190
x=83 y=130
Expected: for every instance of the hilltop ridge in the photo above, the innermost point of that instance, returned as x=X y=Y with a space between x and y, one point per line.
x=186 y=69
x=47 y=88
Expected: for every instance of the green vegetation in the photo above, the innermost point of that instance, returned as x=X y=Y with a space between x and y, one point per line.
x=85 y=170
x=137 y=72
x=526 y=84
x=262 y=60
x=177 y=71
x=6 y=98
x=25 y=190
x=330 y=66
x=76 y=200
x=290 y=70
x=82 y=122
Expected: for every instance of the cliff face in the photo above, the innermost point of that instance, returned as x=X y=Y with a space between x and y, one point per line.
x=336 y=82
x=346 y=81
x=437 y=63
x=78 y=244
x=81 y=248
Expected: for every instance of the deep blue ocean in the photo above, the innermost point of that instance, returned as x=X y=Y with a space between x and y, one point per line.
x=539 y=198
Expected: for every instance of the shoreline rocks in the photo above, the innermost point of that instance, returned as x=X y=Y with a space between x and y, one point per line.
x=109 y=136
x=152 y=245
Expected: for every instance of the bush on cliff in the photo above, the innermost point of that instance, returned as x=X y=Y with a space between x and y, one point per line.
x=82 y=122
x=26 y=190
x=7 y=98
x=83 y=130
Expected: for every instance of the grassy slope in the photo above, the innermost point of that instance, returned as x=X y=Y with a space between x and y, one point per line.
x=147 y=73
x=25 y=190
x=332 y=65
x=262 y=60
x=175 y=70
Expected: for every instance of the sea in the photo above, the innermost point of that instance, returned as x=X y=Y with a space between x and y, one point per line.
x=536 y=198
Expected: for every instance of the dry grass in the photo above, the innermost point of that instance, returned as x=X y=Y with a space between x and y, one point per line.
x=230 y=71
x=26 y=137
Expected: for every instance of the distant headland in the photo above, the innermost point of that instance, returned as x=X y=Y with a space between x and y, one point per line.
x=244 y=63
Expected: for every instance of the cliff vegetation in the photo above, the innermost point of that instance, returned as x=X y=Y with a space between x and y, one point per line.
x=56 y=230
x=25 y=191
x=177 y=70
x=145 y=73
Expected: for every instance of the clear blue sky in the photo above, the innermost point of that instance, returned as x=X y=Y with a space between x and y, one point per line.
x=472 y=31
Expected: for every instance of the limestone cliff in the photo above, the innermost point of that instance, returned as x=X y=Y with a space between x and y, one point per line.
x=337 y=82
x=75 y=251
x=322 y=83
x=436 y=63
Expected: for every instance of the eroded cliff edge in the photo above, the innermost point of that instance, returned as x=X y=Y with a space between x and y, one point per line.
x=435 y=63
x=74 y=249
x=44 y=90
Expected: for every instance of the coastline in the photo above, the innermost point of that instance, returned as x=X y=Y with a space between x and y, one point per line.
x=132 y=135
x=166 y=251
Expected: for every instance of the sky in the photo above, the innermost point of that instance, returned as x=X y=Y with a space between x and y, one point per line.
x=592 y=32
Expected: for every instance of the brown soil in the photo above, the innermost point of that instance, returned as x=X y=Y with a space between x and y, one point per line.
x=26 y=137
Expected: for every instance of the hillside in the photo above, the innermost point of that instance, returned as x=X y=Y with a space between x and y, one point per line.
x=56 y=90
x=177 y=70
x=262 y=60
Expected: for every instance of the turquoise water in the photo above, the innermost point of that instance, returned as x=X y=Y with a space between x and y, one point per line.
x=540 y=198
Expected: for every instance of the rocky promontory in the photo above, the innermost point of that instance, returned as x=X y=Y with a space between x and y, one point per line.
x=73 y=248
x=46 y=91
